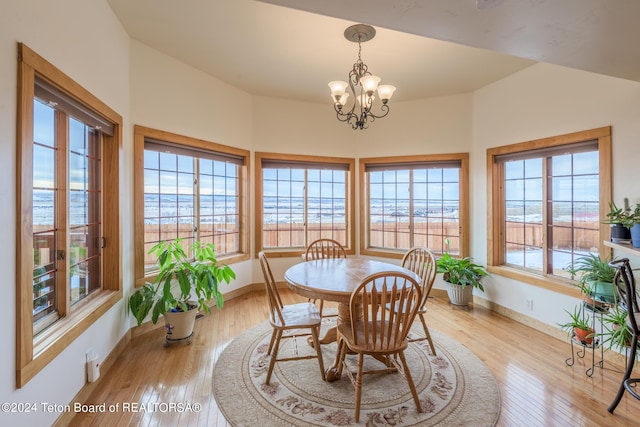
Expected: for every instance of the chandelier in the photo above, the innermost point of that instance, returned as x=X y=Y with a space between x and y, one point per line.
x=362 y=85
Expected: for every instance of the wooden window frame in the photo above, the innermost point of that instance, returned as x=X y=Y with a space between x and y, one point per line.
x=33 y=353
x=295 y=158
x=464 y=233
x=140 y=134
x=495 y=215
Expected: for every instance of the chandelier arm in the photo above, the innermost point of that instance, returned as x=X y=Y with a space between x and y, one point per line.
x=384 y=108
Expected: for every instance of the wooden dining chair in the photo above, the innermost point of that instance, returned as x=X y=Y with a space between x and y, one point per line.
x=375 y=331
x=286 y=318
x=422 y=261
x=322 y=249
x=625 y=286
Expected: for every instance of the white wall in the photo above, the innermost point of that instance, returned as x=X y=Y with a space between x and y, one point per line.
x=543 y=101
x=83 y=39
x=171 y=96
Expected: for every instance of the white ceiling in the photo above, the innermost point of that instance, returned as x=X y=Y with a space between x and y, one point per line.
x=271 y=50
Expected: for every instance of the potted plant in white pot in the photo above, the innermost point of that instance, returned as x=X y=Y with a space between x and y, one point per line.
x=461 y=275
x=197 y=278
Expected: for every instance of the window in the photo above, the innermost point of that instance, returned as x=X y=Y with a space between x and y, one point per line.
x=66 y=210
x=303 y=198
x=68 y=242
x=414 y=201
x=548 y=197
x=189 y=189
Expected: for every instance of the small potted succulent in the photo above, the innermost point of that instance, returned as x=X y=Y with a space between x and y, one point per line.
x=579 y=327
x=621 y=221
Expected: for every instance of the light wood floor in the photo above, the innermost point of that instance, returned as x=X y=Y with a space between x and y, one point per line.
x=537 y=388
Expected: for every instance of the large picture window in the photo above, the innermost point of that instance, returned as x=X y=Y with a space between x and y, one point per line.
x=68 y=242
x=414 y=201
x=190 y=190
x=300 y=199
x=548 y=199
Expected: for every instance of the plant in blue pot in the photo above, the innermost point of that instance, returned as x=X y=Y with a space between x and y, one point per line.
x=635 y=228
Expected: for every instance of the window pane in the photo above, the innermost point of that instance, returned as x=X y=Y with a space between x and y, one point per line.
x=43 y=167
x=77 y=137
x=561 y=165
x=533 y=168
x=309 y=204
x=583 y=188
x=514 y=169
x=43 y=125
x=572 y=183
x=586 y=163
x=151 y=160
x=177 y=212
x=45 y=229
x=84 y=213
x=434 y=195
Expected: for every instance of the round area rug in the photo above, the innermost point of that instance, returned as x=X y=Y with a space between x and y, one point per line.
x=455 y=388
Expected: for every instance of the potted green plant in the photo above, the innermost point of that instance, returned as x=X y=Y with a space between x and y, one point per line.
x=621 y=221
x=616 y=332
x=595 y=279
x=184 y=285
x=461 y=276
x=579 y=327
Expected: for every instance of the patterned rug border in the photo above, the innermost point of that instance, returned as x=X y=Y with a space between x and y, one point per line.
x=478 y=405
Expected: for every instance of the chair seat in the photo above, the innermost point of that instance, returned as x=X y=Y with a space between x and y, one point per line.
x=345 y=331
x=289 y=318
x=299 y=315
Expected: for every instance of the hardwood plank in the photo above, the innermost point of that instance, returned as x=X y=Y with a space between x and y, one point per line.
x=537 y=387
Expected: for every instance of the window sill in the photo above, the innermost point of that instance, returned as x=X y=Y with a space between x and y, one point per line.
x=383 y=253
x=554 y=284
x=51 y=342
x=279 y=253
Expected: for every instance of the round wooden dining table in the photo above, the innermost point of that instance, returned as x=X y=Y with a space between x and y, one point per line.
x=334 y=280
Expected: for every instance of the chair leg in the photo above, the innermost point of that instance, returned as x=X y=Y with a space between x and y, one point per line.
x=316 y=344
x=627 y=374
x=359 y=385
x=427 y=334
x=273 y=339
x=412 y=386
x=274 y=355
